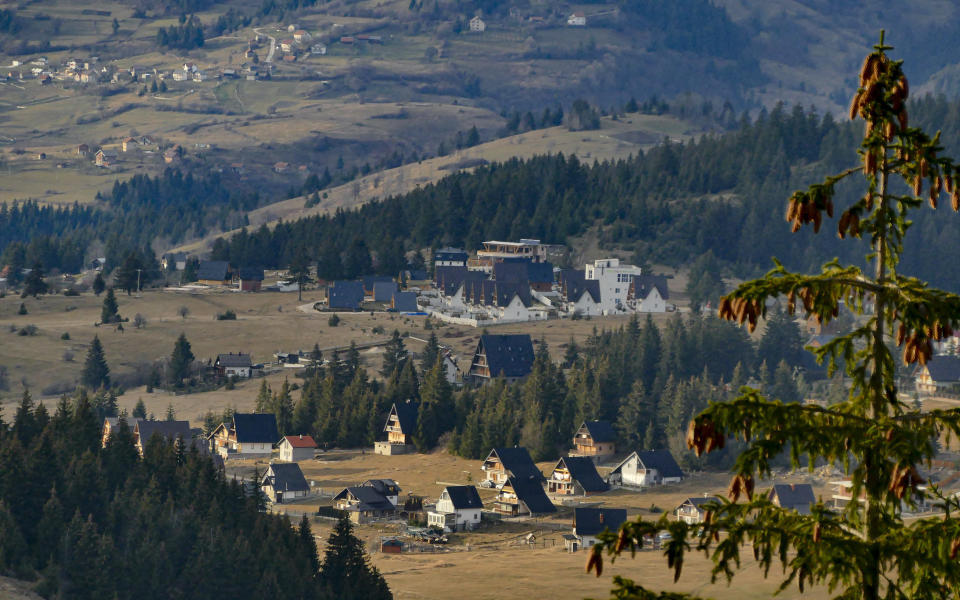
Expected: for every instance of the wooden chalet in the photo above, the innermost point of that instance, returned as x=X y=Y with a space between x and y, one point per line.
x=941 y=374
x=692 y=510
x=400 y=427
x=283 y=482
x=374 y=499
x=507 y=356
x=233 y=365
x=458 y=508
x=249 y=279
x=523 y=496
x=576 y=476
x=793 y=496
x=249 y=435
x=168 y=430
x=214 y=272
x=503 y=463
x=110 y=425
x=595 y=439
x=589 y=522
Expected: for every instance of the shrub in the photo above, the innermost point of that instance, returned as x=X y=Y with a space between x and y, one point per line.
x=228 y=315
x=28 y=330
x=23 y=309
x=65 y=336
x=139 y=321
x=333 y=321
x=71 y=292
x=67 y=356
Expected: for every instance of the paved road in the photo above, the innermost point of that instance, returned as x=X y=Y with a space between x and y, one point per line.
x=273 y=45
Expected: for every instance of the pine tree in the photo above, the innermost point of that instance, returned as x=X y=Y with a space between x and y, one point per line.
x=394 y=355
x=430 y=353
x=346 y=572
x=96 y=373
x=781 y=340
x=264 y=398
x=180 y=360
x=33 y=284
x=13 y=547
x=866 y=549
x=109 y=313
x=99 y=284
x=139 y=410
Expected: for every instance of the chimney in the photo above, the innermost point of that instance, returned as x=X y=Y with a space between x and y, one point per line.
x=301 y=436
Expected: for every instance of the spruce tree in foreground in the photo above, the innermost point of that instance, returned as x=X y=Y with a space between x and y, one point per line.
x=99 y=284
x=180 y=360
x=346 y=572
x=96 y=373
x=109 y=313
x=867 y=549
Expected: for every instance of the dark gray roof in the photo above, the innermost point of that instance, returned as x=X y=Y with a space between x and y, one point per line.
x=114 y=421
x=583 y=471
x=529 y=490
x=170 y=430
x=540 y=272
x=405 y=301
x=234 y=360
x=507 y=355
x=700 y=500
x=255 y=428
x=383 y=291
x=250 y=273
x=450 y=254
x=346 y=294
x=449 y=279
x=370 y=499
x=517 y=462
x=573 y=285
x=384 y=487
x=644 y=284
x=213 y=270
x=407 y=415
x=285 y=477
x=944 y=368
x=600 y=431
x=591 y=521
x=464 y=496
x=418 y=274
x=515 y=272
x=662 y=461
x=798 y=496
x=371 y=280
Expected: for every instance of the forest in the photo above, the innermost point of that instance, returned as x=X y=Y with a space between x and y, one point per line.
x=649 y=381
x=89 y=522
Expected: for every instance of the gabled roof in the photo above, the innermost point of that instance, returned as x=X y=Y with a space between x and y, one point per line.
x=346 y=294
x=517 y=462
x=385 y=487
x=407 y=415
x=798 y=496
x=285 y=477
x=699 y=501
x=661 y=460
x=529 y=490
x=255 y=428
x=450 y=254
x=371 y=280
x=213 y=270
x=300 y=441
x=573 y=285
x=115 y=422
x=170 y=430
x=512 y=271
x=540 y=272
x=418 y=274
x=234 y=360
x=250 y=273
x=507 y=355
x=591 y=521
x=944 y=368
x=583 y=471
x=600 y=431
x=464 y=496
x=405 y=301
x=383 y=291
x=369 y=498
x=644 y=284
x=449 y=279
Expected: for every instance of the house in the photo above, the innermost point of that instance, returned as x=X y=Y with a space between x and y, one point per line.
x=477 y=25
x=249 y=279
x=143 y=430
x=189 y=67
x=289 y=58
x=280 y=167
x=370 y=281
x=615 y=281
x=391 y=546
x=83 y=150
x=521 y=496
x=404 y=302
x=692 y=510
x=494 y=251
x=595 y=439
x=284 y=482
x=383 y=291
x=507 y=356
x=503 y=463
x=374 y=499
x=105 y=158
x=233 y=365
x=347 y=39
x=540 y=276
x=793 y=496
x=249 y=435
x=400 y=427
x=589 y=522
x=940 y=374
x=345 y=295
x=577 y=19
x=582 y=296
x=318 y=49
x=171 y=155
x=818 y=341
x=181 y=76
x=174 y=261
x=286 y=45
x=128 y=144
x=648 y=294
x=301 y=36
x=576 y=476
x=450 y=257
x=213 y=272
x=458 y=509
x=111 y=423
x=645 y=468
x=295 y=448
x=200 y=76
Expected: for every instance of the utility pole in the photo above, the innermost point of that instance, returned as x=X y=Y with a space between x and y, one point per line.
x=138 y=282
